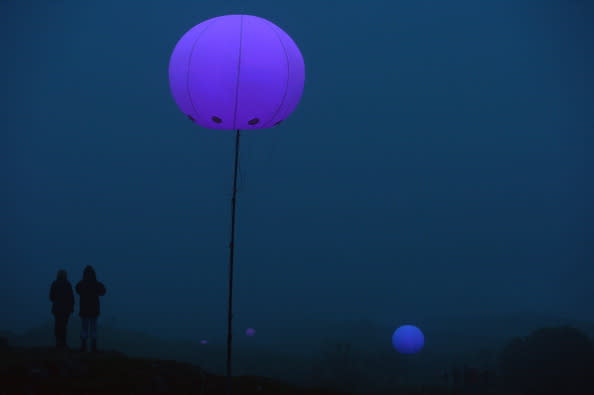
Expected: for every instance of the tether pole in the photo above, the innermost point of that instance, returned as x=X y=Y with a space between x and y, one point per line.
x=231 y=257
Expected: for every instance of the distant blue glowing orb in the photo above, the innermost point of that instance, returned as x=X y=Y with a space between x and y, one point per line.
x=408 y=339
x=203 y=341
x=250 y=331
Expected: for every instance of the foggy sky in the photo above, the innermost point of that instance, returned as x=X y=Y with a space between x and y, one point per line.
x=439 y=162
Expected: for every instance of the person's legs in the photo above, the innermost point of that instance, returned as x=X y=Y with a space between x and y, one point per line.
x=57 y=329
x=84 y=334
x=61 y=320
x=93 y=330
x=93 y=327
x=65 y=330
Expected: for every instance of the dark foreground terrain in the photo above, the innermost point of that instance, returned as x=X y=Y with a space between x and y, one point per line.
x=551 y=360
x=50 y=371
x=47 y=371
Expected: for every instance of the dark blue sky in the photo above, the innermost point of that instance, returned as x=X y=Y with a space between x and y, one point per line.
x=439 y=162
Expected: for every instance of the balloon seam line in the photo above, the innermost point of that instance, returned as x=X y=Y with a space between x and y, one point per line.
x=288 y=73
x=238 y=73
x=188 y=68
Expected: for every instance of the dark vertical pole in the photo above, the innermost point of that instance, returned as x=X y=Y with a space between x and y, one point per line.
x=231 y=256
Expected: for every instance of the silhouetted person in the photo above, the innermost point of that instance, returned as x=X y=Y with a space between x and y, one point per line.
x=63 y=305
x=89 y=290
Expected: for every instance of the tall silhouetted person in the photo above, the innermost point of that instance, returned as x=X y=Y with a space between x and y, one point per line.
x=63 y=305
x=89 y=290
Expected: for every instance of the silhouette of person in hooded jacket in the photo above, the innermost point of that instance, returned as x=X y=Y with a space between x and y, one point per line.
x=89 y=290
x=63 y=305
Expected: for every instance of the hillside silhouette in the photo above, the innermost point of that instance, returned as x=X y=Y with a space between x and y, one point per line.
x=355 y=359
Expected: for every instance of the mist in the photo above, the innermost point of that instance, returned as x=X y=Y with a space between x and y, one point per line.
x=437 y=172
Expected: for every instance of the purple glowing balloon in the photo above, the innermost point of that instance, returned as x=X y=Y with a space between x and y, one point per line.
x=236 y=72
x=250 y=331
x=203 y=341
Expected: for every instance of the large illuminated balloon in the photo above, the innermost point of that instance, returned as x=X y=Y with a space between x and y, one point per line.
x=408 y=339
x=236 y=72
